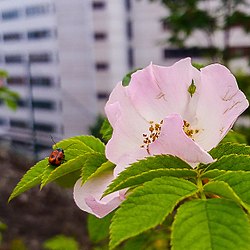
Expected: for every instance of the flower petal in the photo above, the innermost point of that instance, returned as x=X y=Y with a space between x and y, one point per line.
x=88 y=196
x=159 y=91
x=174 y=141
x=128 y=127
x=220 y=103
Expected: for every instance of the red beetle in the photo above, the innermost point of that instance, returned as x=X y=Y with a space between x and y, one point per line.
x=56 y=157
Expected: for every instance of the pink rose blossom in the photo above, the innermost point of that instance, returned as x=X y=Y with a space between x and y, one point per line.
x=158 y=114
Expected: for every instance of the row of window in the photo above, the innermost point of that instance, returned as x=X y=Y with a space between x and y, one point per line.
x=35 y=81
x=32 y=58
x=30 y=11
x=38 y=126
x=37 y=104
x=21 y=124
x=31 y=35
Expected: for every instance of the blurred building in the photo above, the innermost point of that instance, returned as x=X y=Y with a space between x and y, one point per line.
x=65 y=57
x=46 y=46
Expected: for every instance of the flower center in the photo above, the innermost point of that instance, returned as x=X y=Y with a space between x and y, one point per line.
x=153 y=134
x=188 y=130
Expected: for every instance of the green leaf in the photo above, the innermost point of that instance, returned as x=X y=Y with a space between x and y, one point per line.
x=239 y=182
x=236 y=137
x=65 y=168
x=106 y=130
x=84 y=143
x=126 y=79
x=148 y=206
x=222 y=189
x=91 y=164
x=106 y=166
x=148 y=175
x=229 y=148
x=98 y=229
x=210 y=224
x=150 y=163
x=212 y=173
x=32 y=178
x=231 y=162
x=61 y=242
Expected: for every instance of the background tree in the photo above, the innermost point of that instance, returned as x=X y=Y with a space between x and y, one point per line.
x=207 y=16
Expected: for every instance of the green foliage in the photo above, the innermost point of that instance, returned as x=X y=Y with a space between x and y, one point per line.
x=9 y=97
x=150 y=168
x=201 y=214
x=210 y=224
x=186 y=17
x=77 y=150
x=126 y=79
x=106 y=130
x=61 y=242
x=98 y=229
x=236 y=137
x=168 y=203
x=148 y=206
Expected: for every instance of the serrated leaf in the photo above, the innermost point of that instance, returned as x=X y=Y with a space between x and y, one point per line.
x=98 y=229
x=212 y=173
x=239 y=182
x=148 y=206
x=236 y=137
x=106 y=130
x=106 y=166
x=210 y=224
x=84 y=143
x=65 y=168
x=222 y=189
x=150 y=163
x=148 y=176
x=231 y=162
x=229 y=148
x=91 y=164
x=31 y=178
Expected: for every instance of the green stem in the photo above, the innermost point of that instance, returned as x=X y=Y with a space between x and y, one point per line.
x=200 y=187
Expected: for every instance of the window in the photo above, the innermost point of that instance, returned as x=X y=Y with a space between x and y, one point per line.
x=38 y=34
x=40 y=58
x=16 y=80
x=100 y=36
x=44 y=127
x=128 y=5
x=22 y=103
x=97 y=5
x=100 y=66
x=129 y=29
x=13 y=59
x=18 y=123
x=12 y=37
x=44 y=104
x=188 y=52
x=37 y=10
x=41 y=81
x=102 y=95
x=10 y=14
x=130 y=57
x=2 y=121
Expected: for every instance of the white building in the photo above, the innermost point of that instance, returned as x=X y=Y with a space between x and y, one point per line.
x=46 y=47
x=64 y=58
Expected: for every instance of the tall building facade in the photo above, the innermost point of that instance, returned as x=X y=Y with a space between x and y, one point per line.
x=46 y=47
x=65 y=57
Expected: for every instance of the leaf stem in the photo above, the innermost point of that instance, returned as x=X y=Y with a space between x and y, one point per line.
x=200 y=187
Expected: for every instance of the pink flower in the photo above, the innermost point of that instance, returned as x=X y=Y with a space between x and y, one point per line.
x=159 y=114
